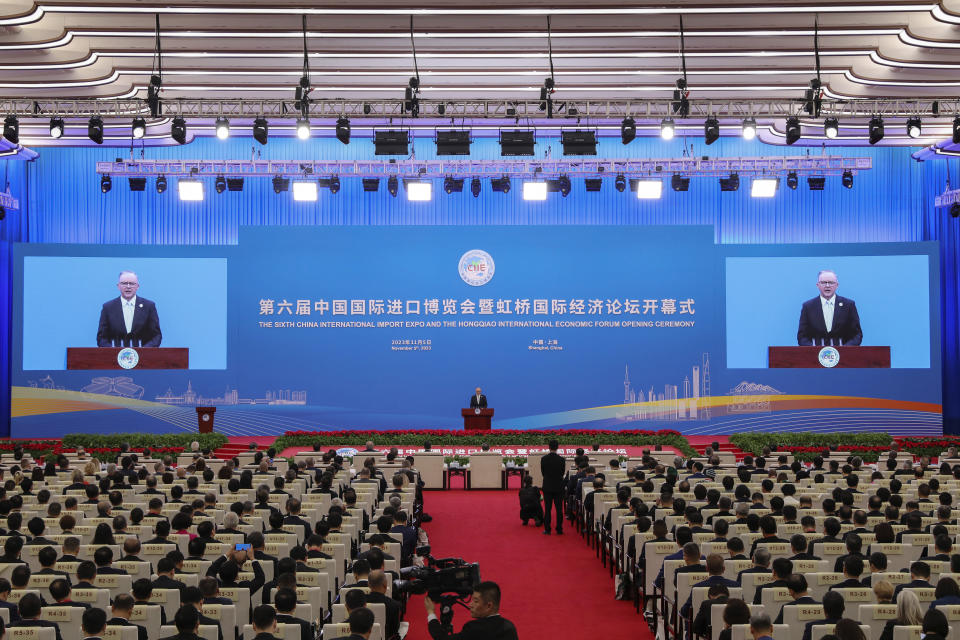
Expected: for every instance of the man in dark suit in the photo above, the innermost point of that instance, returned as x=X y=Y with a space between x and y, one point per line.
x=285 y=602
x=187 y=621
x=29 y=607
x=553 y=467
x=122 y=610
x=93 y=623
x=377 y=581
x=829 y=318
x=797 y=586
x=129 y=320
x=487 y=623
x=833 y=607
x=361 y=624
x=478 y=400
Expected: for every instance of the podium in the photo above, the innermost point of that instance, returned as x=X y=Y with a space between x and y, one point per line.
x=148 y=358
x=474 y=421
x=810 y=357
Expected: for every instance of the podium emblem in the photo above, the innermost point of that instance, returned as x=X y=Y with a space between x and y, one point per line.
x=476 y=411
x=829 y=357
x=476 y=267
x=128 y=358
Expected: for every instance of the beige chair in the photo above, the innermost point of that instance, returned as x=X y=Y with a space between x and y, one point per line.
x=820 y=630
x=240 y=597
x=796 y=617
x=343 y=629
x=742 y=632
x=206 y=631
x=67 y=618
x=169 y=599
x=99 y=598
x=430 y=466
x=716 y=618
x=115 y=583
x=147 y=616
x=120 y=632
x=751 y=581
x=486 y=471
x=875 y=616
x=225 y=613
x=911 y=632
x=5 y=616
x=284 y=632
x=31 y=633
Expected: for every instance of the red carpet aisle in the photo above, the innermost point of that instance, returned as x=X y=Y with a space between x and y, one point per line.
x=553 y=587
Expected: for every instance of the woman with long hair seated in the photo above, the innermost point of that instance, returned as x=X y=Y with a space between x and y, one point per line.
x=909 y=613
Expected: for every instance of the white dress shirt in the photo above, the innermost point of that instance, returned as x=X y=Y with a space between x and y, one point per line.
x=128 y=306
x=828 y=307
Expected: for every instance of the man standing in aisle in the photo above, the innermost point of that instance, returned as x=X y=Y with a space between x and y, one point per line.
x=552 y=466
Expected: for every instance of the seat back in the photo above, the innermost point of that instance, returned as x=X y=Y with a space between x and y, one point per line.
x=120 y=632
x=751 y=581
x=343 y=629
x=99 y=598
x=820 y=630
x=114 y=582
x=67 y=618
x=31 y=633
x=854 y=596
x=820 y=582
x=284 y=632
x=240 y=597
x=796 y=617
x=205 y=631
x=225 y=613
x=486 y=470
x=430 y=466
x=147 y=616
x=773 y=599
x=875 y=616
x=742 y=632
x=911 y=632
x=169 y=599
x=716 y=618
x=699 y=594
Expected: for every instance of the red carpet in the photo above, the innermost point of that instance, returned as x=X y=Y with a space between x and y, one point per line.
x=553 y=587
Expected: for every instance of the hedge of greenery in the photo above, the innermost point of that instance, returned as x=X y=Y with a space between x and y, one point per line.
x=805 y=446
x=437 y=437
x=144 y=440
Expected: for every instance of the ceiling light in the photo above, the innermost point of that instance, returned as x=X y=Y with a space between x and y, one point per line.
x=161 y=184
x=679 y=183
x=749 y=129
x=565 y=186
x=792 y=180
x=261 y=130
x=793 y=130
x=343 y=129
x=649 y=189
x=534 y=190
x=393 y=186
x=303 y=129
x=419 y=190
x=475 y=185
x=57 y=128
x=816 y=183
x=579 y=143
x=11 y=129
x=334 y=184
x=620 y=184
x=667 y=129
x=391 y=142
x=95 y=129
x=235 y=184
x=305 y=190
x=955 y=210
x=847 y=180
x=914 y=127
x=452 y=185
x=105 y=184
x=500 y=185
x=371 y=185
x=592 y=185
x=137 y=184
x=222 y=127
x=711 y=130
x=138 y=129
x=190 y=190
x=453 y=143
x=731 y=183
x=628 y=130
x=178 y=130
x=764 y=187
x=280 y=184
x=876 y=129
x=517 y=143
x=831 y=128
x=220 y=184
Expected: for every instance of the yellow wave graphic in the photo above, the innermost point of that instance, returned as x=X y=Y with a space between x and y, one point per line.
x=33 y=401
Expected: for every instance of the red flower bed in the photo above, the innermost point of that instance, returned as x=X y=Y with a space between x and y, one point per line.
x=503 y=432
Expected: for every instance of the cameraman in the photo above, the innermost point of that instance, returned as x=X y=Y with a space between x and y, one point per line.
x=487 y=623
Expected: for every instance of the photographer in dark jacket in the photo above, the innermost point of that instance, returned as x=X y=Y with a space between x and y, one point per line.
x=487 y=623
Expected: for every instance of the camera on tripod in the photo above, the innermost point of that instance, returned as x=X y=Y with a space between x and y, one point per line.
x=439 y=578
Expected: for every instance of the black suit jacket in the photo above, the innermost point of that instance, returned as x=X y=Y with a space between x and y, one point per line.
x=392 y=610
x=846 y=323
x=306 y=632
x=482 y=403
x=145 y=329
x=489 y=628
x=141 y=631
x=553 y=467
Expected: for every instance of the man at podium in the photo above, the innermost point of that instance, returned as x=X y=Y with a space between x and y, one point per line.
x=829 y=319
x=129 y=320
x=478 y=400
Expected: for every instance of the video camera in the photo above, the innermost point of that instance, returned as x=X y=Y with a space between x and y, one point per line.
x=440 y=577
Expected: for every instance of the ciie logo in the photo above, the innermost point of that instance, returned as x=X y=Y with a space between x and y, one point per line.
x=128 y=358
x=476 y=267
x=829 y=357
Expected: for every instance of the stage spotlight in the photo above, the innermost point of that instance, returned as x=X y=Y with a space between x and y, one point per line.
x=222 y=127
x=564 y=183
x=816 y=183
x=418 y=190
x=679 y=183
x=335 y=184
x=161 y=184
x=343 y=129
x=261 y=130
x=220 y=184
x=452 y=185
x=105 y=184
x=731 y=183
x=628 y=130
x=280 y=184
x=667 y=129
x=11 y=129
x=592 y=185
x=303 y=129
x=57 y=128
x=475 y=186
x=178 y=130
x=137 y=184
x=847 y=180
x=793 y=130
x=792 y=180
x=764 y=187
x=190 y=190
x=955 y=210
x=711 y=130
x=748 y=129
x=649 y=189
x=914 y=127
x=371 y=185
x=139 y=128
x=620 y=184
x=956 y=130
x=500 y=185
x=305 y=190
x=95 y=129
x=534 y=190
x=876 y=129
x=393 y=186
x=831 y=128
x=235 y=184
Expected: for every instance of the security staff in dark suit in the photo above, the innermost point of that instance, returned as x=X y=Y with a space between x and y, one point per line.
x=487 y=623
x=478 y=400
x=553 y=467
